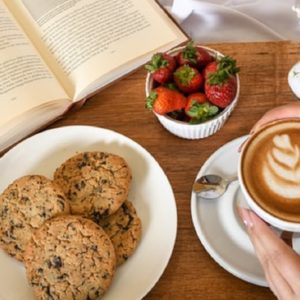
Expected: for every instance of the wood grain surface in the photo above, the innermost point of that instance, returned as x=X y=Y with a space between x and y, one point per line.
x=191 y=272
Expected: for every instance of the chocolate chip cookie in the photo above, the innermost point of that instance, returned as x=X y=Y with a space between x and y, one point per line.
x=96 y=183
x=70 y=257
x=124 y=228
x=24 y=206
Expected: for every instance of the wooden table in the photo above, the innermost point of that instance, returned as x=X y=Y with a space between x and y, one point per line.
x=191 y=272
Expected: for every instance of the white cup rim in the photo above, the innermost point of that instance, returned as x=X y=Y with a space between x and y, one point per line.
x=266 y=216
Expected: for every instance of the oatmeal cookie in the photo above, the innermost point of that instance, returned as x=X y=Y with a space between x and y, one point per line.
x=24 y=206
x=70 y=257
x=124 y=228
x=96 y=183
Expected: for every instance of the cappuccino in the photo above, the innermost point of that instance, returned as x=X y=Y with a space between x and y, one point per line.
x=270 y=169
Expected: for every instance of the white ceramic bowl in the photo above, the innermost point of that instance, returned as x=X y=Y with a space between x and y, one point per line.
x=195 y=131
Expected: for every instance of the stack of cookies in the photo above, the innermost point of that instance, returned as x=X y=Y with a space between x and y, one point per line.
x=73 y=231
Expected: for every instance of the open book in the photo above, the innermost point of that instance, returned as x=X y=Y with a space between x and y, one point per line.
x=54 y=53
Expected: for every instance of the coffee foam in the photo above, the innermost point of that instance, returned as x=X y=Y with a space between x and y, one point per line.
x=281 y=169
x=271 y=169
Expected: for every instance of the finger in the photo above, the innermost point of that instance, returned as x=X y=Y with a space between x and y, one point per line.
x=272 y=287
x=276 y=280
x=271 y=247
x=276 y=249
x=277 y=283
x=291 y=110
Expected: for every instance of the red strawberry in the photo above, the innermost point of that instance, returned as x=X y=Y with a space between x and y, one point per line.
x=194 y=56
x=221 y=94
x=161 y=66
x=162 y=75
x=188 y=79
x=221 y=68
x=163 y=100
x=194 y=98
x=220 y=86
x=209 y=69
x=199 y=109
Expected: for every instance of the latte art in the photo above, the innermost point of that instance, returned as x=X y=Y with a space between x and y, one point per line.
x=270 y=171
x=281 y=170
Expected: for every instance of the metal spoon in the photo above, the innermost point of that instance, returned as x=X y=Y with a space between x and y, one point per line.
x=212 y=186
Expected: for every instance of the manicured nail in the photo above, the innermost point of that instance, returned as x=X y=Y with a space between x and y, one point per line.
x=245 y=216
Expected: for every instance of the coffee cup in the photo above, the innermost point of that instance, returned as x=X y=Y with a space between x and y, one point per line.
x=269 y=173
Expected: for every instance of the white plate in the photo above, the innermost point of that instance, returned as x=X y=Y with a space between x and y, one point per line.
x=150 y=193
x=217 y=224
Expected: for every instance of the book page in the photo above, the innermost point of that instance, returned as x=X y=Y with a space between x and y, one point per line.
x=91 y=38
x=25 y=80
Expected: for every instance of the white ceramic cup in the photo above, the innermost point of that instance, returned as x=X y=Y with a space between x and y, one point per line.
x=294 y=79
x=262 y=213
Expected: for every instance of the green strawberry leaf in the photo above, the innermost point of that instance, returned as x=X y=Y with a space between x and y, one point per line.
x=189 y=52
x=226 y=68
x=201 y=112
x=150 y=100
x=171 y=86
x=185 y=74
x=157 y=61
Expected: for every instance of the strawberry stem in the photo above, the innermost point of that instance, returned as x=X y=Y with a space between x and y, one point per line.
x=150 y=100
x=157 y=62
x=226 y=67
x=200 y=112
x=185 y=74
x=189 y=52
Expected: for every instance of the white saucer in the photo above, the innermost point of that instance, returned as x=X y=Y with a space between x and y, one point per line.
x=217 y=224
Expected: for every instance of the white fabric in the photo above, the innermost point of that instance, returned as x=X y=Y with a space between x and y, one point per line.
x=237 y=20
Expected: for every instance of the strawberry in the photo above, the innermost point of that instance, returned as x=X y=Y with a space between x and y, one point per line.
x=221 y=94
x=162 y=75
x=194 y=98
x=221 y=68
x=194 y=56
x=163 y=100
x=220 y=86
x=188 y=79
x=209 y=69
x=199 y=109
x=161 y=66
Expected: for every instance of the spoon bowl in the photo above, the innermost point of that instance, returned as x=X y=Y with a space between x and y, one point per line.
x=212 y=186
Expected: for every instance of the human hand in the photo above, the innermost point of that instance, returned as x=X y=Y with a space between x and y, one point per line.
x=291 y=110
x=281 y=264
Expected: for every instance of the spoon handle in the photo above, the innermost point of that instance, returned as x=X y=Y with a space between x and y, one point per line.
x=231 y=179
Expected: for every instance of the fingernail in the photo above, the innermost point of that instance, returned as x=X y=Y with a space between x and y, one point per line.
x=245 y=216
